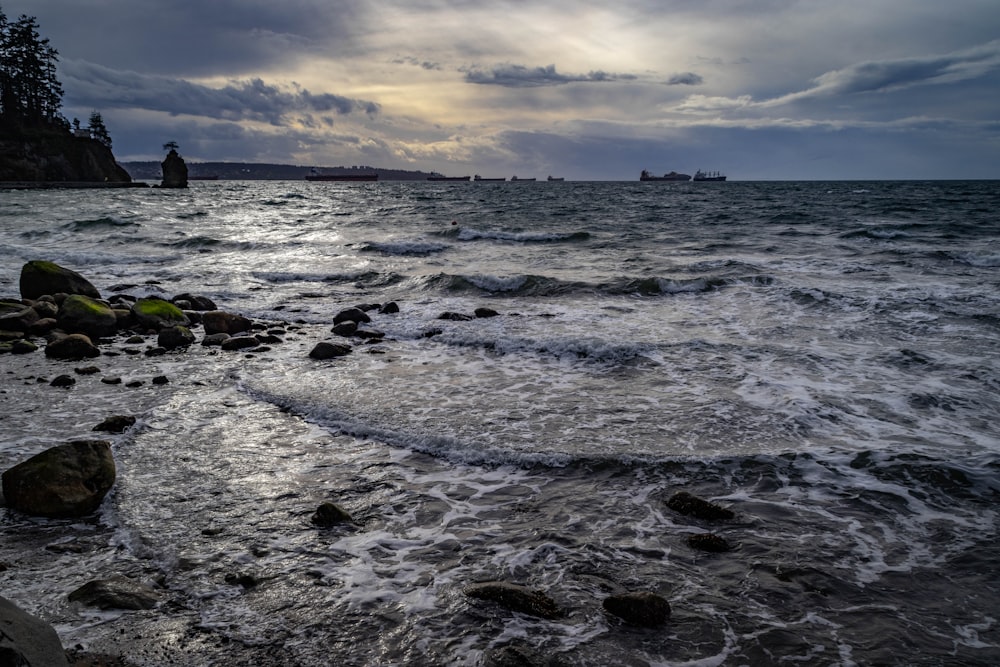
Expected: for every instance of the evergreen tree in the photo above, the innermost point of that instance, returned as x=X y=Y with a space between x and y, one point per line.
x=98 y=130
x=30 y=92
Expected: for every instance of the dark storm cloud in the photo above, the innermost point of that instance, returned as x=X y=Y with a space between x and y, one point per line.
x=90 y=85
x=519 y=76
x=685 y=79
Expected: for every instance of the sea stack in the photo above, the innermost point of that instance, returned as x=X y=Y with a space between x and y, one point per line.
x=175 y=172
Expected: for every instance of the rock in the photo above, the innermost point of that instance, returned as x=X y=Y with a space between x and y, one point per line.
x=72 y=347
x=486 y=312
x=369 y=334
x=43 y=326
x=353 y=314
x=87 y=370
x=63 y=381
x=345 y=328
x=39 y=278
x=639 y=608
x=155 y=313
x=454 y=317
x=27 y=641
x=330 y=514
x=513 y=656
x=708 y=542
x=516 y=598
x=69 y=480
x=23 y=347
x=175 y=172
x=174 y=337
x=689 y=505
x=161 y=380
x=18 y=319
x=389 y=308
x=45 y=308
x=215 y=339
x=115 y=593
x=196 y=302
x=326 y=350
x=217 y=321
x=116 y=424
x=83 y=314
x=240 y=343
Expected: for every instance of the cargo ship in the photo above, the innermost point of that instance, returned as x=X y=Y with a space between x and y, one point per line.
x=479 y=178
x=314 y=175
x=709 y=176
x=672 y=176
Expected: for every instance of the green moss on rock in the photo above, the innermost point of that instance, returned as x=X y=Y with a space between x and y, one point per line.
x=155 y=313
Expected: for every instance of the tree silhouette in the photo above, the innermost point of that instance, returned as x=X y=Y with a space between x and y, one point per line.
x=98 y=130
x=30 y=92
x=171 y=146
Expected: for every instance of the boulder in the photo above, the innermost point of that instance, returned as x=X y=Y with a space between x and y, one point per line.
x=174 y=337
x=175 y=172
x=115 y=593
x=690 y=505
x=486 y=312
x=454 y=317
x=708 y=542
x=22 y=347
x=69 y=480
x=639 y=608
x=39 y=278
x=116 y=424
x=156 y=313
x=218 y=321
x=516 y=598
x=195 y=301
x=215 y=339
x=355 y=315
x=26 y=640
x=327 y=350
x=72 y=347
x=389 y=308
x=345 y=328
x=239 y=343
x=330 y=514
x=21 y=318
x=86 y=315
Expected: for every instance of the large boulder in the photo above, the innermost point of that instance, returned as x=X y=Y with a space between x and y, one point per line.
x=516 y=598
x=68 y=480
x=175 y=172
x=83 y=314
x=72 y=348
x=28 y=640
x=155 y=313
x=39 y=278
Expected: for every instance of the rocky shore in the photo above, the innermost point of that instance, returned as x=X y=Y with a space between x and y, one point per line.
x=60 y=314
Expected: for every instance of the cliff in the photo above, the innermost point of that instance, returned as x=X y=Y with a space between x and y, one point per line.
x=54 y=156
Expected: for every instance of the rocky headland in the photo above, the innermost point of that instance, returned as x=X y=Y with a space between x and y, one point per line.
x=48 y=157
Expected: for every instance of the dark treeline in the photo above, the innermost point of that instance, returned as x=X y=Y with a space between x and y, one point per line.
x=30 y=92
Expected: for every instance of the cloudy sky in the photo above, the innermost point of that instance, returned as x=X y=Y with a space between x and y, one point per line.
x=760 y=89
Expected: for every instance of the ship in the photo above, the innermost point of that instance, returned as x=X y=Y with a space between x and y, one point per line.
x=477 y=177
x=314 y=175
x=672 y=176
x=523 y=180
x=555 y=178
x=709 y=176
x=441 y=177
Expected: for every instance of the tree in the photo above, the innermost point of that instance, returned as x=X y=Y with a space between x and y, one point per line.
x=30 y=92
x=98 y=130
x=171 y=146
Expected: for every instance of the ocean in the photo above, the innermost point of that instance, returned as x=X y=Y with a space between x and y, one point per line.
x=821 y=358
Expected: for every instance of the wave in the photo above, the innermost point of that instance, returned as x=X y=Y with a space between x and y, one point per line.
x=208 y=243
x=417 y=248
x=591 y=350
x=468 y=234
x=99 y=223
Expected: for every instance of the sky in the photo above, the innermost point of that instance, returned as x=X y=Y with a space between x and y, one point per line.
x=760 y=90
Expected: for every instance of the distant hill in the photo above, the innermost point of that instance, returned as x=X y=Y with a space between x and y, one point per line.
x=255 y=171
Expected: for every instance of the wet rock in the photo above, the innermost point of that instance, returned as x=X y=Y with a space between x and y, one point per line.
x=45 y=308
x=72 y=347
x=27 y=641
x=389 y=308
x=513 y=656
x=708 y=542
x=455 y=317
x=195 y=302
x=18 y=318
x=430 y=333
x=155 y=313
x=43 y=326
x=68 y=480
x=486 y=312
x=369 y=334
x=174 y=337
x=639 y=608
x=63 y=381
x=240 y=343
x=115 y=593
x=83 y=314
x=39 y=278
x=161 y=380
x=215 y=339
x=218 y=321
x=244 y=580
x=327 y=350
x=516 y=598
x=353 y=314
x=330 y=514
x=690 y=505
x=87 y=370
x=345 y=328
x=23 y=347
x=116 y=424
x=155 y=351
x=111 y=380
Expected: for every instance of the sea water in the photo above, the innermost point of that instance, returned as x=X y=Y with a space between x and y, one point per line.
x=822 y=358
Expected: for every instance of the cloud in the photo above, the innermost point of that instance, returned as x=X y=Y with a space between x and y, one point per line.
x=685 y=79
x=519 y=76
x=102 y=87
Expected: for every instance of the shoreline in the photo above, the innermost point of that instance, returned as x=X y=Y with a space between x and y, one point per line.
x=69 y=185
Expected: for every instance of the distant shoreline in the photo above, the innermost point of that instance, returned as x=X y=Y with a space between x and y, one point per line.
x=53 y=185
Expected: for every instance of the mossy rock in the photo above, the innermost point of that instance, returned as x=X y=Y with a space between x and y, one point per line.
x=155 y=313
x=39 y=278
x=82 y=314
